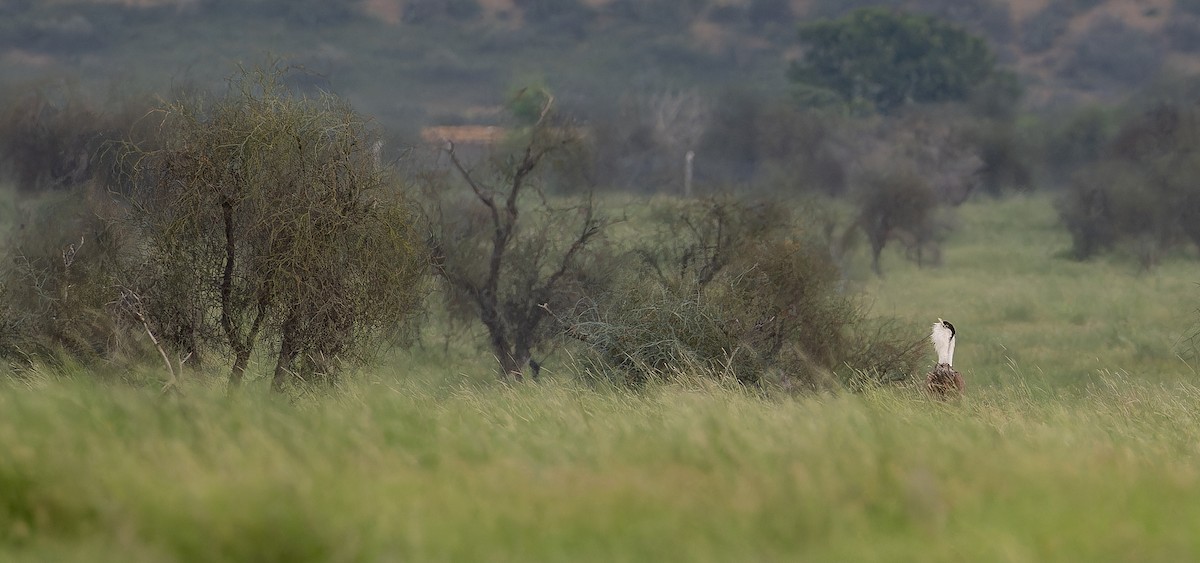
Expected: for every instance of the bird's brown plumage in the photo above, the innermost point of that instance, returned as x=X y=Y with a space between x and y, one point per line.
x=944 y=382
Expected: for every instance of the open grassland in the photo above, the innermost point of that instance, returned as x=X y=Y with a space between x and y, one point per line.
x=1079 y=441
x=1026 y=312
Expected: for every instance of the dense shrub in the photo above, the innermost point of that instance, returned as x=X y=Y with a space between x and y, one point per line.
x=734 y=290
x=264 y=217
x=1144 y=194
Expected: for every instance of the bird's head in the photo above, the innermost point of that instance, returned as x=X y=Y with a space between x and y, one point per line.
x=947 y=325
x=942 y=337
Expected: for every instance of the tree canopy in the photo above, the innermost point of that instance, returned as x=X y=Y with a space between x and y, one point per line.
x=265 y=217
x=885 y=59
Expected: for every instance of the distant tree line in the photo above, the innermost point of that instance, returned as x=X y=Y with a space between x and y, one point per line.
x=209 y=230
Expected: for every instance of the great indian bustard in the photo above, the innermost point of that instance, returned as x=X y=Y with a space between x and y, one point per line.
x=944 y=381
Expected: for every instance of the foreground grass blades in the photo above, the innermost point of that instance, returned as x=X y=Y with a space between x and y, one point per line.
x=558 y=471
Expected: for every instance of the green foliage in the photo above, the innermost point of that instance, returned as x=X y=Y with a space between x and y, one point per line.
x=888 y=59
x=266 y=217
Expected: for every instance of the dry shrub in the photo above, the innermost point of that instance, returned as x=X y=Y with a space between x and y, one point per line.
x=743 y=292
x=64 y=261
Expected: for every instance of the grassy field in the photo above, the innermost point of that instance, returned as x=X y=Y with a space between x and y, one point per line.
x=1079 y=440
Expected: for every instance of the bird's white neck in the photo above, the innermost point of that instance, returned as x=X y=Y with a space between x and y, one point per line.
x=943 y=344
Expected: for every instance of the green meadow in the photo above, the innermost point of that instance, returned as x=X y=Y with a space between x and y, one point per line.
x=1078 y=440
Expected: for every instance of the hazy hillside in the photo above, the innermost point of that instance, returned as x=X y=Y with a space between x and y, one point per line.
x=416 y=62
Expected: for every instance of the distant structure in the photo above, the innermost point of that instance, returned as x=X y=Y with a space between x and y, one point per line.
x=944 y=381
x=463 y=134
x=688 y=160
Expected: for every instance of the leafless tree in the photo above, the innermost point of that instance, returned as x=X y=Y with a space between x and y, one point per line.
x=508 y=252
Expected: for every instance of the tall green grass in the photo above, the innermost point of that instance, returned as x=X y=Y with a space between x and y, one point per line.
x=563 y=472
x=1069 y=446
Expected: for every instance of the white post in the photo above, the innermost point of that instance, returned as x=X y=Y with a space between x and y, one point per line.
x=687 y=173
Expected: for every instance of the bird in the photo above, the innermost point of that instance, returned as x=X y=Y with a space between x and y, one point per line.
x=944 y=381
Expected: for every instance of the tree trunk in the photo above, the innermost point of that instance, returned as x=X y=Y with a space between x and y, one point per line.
x=287 y=354
x=511 y=367
x=241 y=359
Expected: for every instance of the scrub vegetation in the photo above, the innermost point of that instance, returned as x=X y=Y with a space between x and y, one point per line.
x=591 y=312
